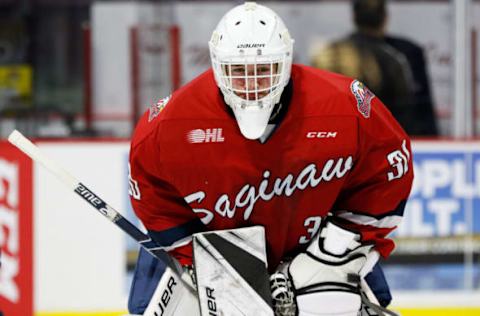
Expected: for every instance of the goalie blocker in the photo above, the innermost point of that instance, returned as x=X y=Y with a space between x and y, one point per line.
x=328 y=279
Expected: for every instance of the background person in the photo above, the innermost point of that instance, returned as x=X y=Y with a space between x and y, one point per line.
x=393 y=68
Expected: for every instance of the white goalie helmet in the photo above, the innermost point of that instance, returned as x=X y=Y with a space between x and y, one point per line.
x=251 y=53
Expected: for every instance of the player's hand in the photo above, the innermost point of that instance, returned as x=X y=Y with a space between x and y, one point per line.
x=326 y=279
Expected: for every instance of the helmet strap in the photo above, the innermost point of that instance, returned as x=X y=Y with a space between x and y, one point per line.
x=280 y=109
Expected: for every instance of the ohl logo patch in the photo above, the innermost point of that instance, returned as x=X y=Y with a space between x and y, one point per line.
x=209 y=135
x=364 y=97
x=157 y=108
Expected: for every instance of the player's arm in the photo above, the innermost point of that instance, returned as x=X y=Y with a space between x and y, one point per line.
x=327 y=278
x=163 y=211
x=169 y=221
x=374 y=198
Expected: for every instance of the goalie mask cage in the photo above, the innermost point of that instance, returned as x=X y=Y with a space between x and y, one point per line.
x=155 y=65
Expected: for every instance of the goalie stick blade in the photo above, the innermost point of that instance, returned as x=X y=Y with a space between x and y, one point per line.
x=231 y=272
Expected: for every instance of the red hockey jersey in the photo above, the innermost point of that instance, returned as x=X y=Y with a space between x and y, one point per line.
x=338 y=150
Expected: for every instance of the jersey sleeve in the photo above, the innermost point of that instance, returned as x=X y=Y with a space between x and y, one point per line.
x=161 y=208
x=374 y=197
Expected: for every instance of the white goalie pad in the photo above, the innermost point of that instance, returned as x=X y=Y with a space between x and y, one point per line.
x=173 y=297
x=231 y=272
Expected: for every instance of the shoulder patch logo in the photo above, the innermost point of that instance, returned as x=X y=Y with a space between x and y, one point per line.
x=363 y=96
x=157 y=108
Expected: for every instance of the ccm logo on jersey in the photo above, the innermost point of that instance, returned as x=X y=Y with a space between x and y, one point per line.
x=321 y=134
x=209 y=135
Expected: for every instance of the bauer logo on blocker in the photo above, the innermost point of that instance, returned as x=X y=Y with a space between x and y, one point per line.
x=208 y=135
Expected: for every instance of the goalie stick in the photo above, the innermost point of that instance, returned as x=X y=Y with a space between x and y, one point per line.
x=21 y=142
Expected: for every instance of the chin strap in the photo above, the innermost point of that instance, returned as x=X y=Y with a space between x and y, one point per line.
x=276 y=110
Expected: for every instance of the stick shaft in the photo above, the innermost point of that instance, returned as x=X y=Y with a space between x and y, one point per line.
x=31 y=150
x=21 y=142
